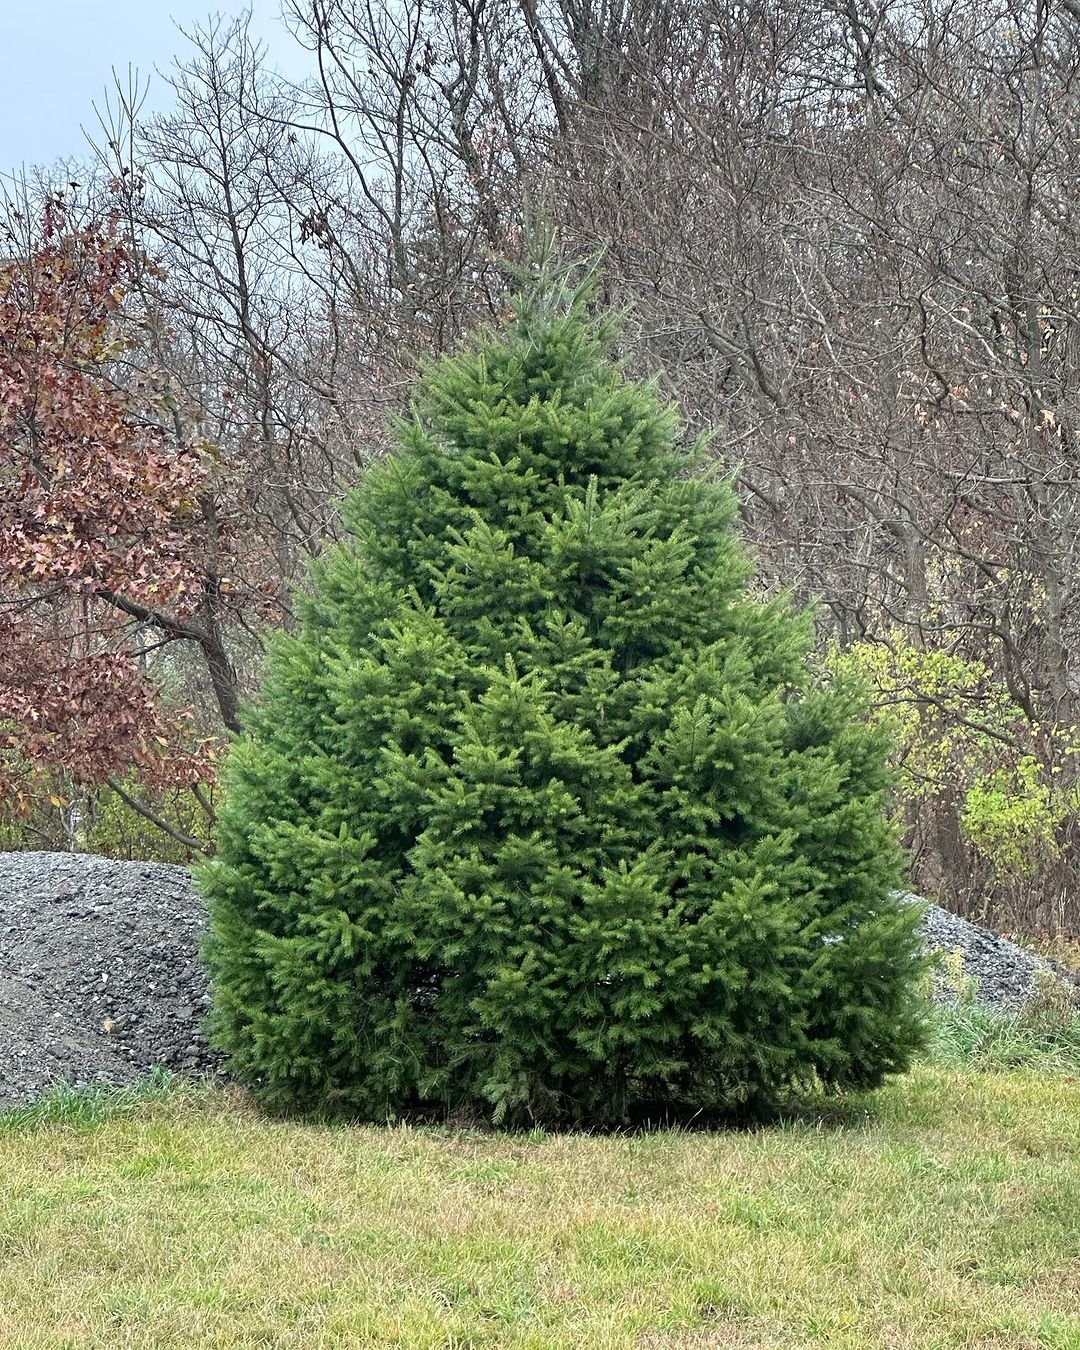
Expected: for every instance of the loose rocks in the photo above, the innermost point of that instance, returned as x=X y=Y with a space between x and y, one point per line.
x=100 y=977
x=1004 y=975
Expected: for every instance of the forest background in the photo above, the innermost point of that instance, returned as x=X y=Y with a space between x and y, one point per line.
x=846 y=240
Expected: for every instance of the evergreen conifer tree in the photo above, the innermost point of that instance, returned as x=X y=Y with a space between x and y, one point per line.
x=539 y=813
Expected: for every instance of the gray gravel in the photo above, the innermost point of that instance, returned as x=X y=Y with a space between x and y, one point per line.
x=1004 y=975
x=100 y=978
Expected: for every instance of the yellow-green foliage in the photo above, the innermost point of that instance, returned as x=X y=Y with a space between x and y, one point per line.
x=940 y=710
x=102 y=822
x=11 y=835
x=961 y=984
x=46 y=825
x=947 y=717
x=115 y=830
x=1011 y=815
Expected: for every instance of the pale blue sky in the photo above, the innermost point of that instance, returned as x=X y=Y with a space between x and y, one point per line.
x=56 y=56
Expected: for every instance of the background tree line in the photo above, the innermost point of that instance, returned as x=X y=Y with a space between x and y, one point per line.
x=846 y=238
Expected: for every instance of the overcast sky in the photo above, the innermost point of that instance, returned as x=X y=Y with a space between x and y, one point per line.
x=58 y=54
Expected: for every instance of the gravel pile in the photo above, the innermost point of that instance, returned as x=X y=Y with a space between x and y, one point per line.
x=1004 y=975
x=100 y=978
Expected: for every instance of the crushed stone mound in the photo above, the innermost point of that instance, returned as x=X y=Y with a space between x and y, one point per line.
x=1003 y=974
x=100 y=976
x=101 y=980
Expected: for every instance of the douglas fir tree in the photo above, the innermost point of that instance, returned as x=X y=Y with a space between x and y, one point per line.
x=539 y=814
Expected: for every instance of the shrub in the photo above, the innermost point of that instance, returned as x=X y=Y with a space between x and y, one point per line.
x=115 y=829
x=990 y=796
x=67 y=817
x=539 y=814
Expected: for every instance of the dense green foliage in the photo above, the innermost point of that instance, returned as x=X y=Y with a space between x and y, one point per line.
x=538 y=814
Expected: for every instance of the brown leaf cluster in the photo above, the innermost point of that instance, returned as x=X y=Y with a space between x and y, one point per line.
x=94 y=508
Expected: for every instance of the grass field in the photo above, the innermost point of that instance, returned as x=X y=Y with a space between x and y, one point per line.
x=943 y=1211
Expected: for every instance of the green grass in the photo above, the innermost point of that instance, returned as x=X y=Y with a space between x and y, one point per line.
x=1045 y=1036
x=939 y=1212
x=85 y=1107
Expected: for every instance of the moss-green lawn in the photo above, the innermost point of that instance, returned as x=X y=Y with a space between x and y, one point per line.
x=942 y=1211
